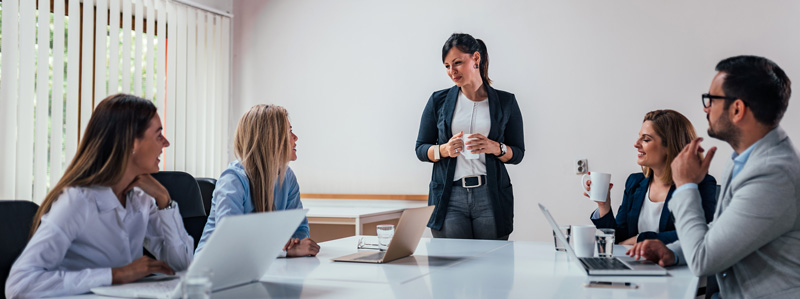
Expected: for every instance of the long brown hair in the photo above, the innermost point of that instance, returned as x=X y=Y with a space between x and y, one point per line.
x=106 y=147
x=262 y=145
x=676 y=131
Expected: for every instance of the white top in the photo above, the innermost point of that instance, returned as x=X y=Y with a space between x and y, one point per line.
x=650 y=215
x=470 y=117
x=86 y=233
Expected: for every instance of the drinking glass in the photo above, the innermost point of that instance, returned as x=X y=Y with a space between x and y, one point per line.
x=565 y=230
x=197 y=285
x=605 y=242
x=385 y=234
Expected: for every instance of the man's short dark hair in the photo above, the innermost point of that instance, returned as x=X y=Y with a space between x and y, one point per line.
x=760 y=83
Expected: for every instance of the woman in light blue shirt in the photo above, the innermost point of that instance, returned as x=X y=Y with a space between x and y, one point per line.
x=261 y=180
x=91 y=227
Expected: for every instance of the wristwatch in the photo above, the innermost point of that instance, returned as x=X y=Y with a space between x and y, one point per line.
x=436 y=154
x=502 y=150
x=170 y=205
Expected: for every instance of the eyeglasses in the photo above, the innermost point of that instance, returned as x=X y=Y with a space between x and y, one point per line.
x=706 y=98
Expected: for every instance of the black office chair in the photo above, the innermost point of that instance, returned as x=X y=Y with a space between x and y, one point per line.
x=183 y=188
x=16 y=217
x=207 y=190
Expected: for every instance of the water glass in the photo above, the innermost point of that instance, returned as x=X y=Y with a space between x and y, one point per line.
x=197 y=284
x=385 y=234
x=605 y=242
x=565 y=230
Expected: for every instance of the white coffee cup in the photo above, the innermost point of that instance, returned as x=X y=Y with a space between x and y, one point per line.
x=465 y=152
x=600 y=181
x=583 y=240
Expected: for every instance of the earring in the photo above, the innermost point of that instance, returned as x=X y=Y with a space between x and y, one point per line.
x=476 y=66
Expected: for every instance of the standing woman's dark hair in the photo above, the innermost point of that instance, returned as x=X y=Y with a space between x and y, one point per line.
x=468 y=44
x=105 y=148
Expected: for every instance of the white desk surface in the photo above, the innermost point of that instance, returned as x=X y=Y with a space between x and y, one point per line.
x=352 y=208
x=451 y=268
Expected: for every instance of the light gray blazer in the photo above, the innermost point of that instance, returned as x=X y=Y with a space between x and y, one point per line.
x=753 y=244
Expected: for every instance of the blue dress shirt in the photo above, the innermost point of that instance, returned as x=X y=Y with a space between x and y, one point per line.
x=232 y=197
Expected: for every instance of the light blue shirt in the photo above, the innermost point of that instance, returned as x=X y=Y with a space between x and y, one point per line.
x=232 y=197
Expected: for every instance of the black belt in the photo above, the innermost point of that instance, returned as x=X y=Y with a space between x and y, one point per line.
x=471 y=181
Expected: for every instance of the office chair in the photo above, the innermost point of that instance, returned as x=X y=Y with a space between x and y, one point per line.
x=183 y=188
x=16 y=217
x=207 y=190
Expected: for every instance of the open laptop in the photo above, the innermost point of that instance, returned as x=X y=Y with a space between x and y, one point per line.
x=239 y=252
x=623 y=265
x=405 y=240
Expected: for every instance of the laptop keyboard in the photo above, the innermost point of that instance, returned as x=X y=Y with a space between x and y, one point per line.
x=371 y=257
x=601 y=263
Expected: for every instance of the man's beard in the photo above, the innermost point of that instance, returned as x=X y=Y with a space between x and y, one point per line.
x=725 y=130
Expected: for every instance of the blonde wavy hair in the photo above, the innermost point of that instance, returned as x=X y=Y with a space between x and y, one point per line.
x=262 y=144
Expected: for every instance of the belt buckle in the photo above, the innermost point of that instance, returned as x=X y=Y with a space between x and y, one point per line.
x=464 y=182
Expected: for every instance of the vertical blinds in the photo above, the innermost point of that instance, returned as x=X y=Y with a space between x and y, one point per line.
x=54 y=72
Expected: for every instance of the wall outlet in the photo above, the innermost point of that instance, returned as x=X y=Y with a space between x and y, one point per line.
x=581 y=166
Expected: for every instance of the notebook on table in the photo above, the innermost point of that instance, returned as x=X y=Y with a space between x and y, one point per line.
x=405 y=240
x=234 y=253
x=623 y=265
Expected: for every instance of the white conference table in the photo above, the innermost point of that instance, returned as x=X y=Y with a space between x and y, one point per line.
x=450 y=268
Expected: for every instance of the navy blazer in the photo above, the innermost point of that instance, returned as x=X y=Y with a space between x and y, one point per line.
x=627 y=222
x=506 y=127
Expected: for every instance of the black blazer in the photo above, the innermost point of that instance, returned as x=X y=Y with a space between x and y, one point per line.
x=506 y=127
x=627 y=222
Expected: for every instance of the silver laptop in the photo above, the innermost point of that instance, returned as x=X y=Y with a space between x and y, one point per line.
x=239 y=252
x=623 y=265
x=406 y=238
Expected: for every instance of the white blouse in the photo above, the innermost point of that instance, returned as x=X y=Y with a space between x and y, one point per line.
x=650 y=215
x=86 y=233
x=470 y=117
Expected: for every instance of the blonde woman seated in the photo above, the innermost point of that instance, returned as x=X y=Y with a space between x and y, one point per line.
x=261 y=180
x=643 y=213
x=90 y=229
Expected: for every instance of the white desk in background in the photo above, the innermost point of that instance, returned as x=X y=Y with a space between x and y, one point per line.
x=337 y=218
x=452 y=268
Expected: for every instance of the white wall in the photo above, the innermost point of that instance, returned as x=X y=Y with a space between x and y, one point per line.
x=355 y=76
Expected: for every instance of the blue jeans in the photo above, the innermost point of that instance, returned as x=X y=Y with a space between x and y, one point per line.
x=469 y=215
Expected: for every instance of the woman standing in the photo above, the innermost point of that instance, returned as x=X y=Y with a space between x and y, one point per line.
x=471 y=191
x=90 y=229
x=261 y=180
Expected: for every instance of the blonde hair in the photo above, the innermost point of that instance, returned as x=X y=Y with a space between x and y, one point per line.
x=105 y=149
x=262 y=145
x=676 y=131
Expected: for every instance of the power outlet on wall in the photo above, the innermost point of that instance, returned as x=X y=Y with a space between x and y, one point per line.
x=581 y=166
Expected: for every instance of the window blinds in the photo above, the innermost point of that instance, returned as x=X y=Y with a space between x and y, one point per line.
x=53 y=72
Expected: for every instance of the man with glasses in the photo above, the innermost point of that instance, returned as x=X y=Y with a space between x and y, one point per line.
x=753 y=244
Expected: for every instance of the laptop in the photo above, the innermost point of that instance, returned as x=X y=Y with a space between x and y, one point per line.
x=239 y=252
x=405 y=240
x=623 y=265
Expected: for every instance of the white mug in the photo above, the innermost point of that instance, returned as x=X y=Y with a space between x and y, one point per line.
x=600 y=182
x=583 y=240
x=465 y=152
